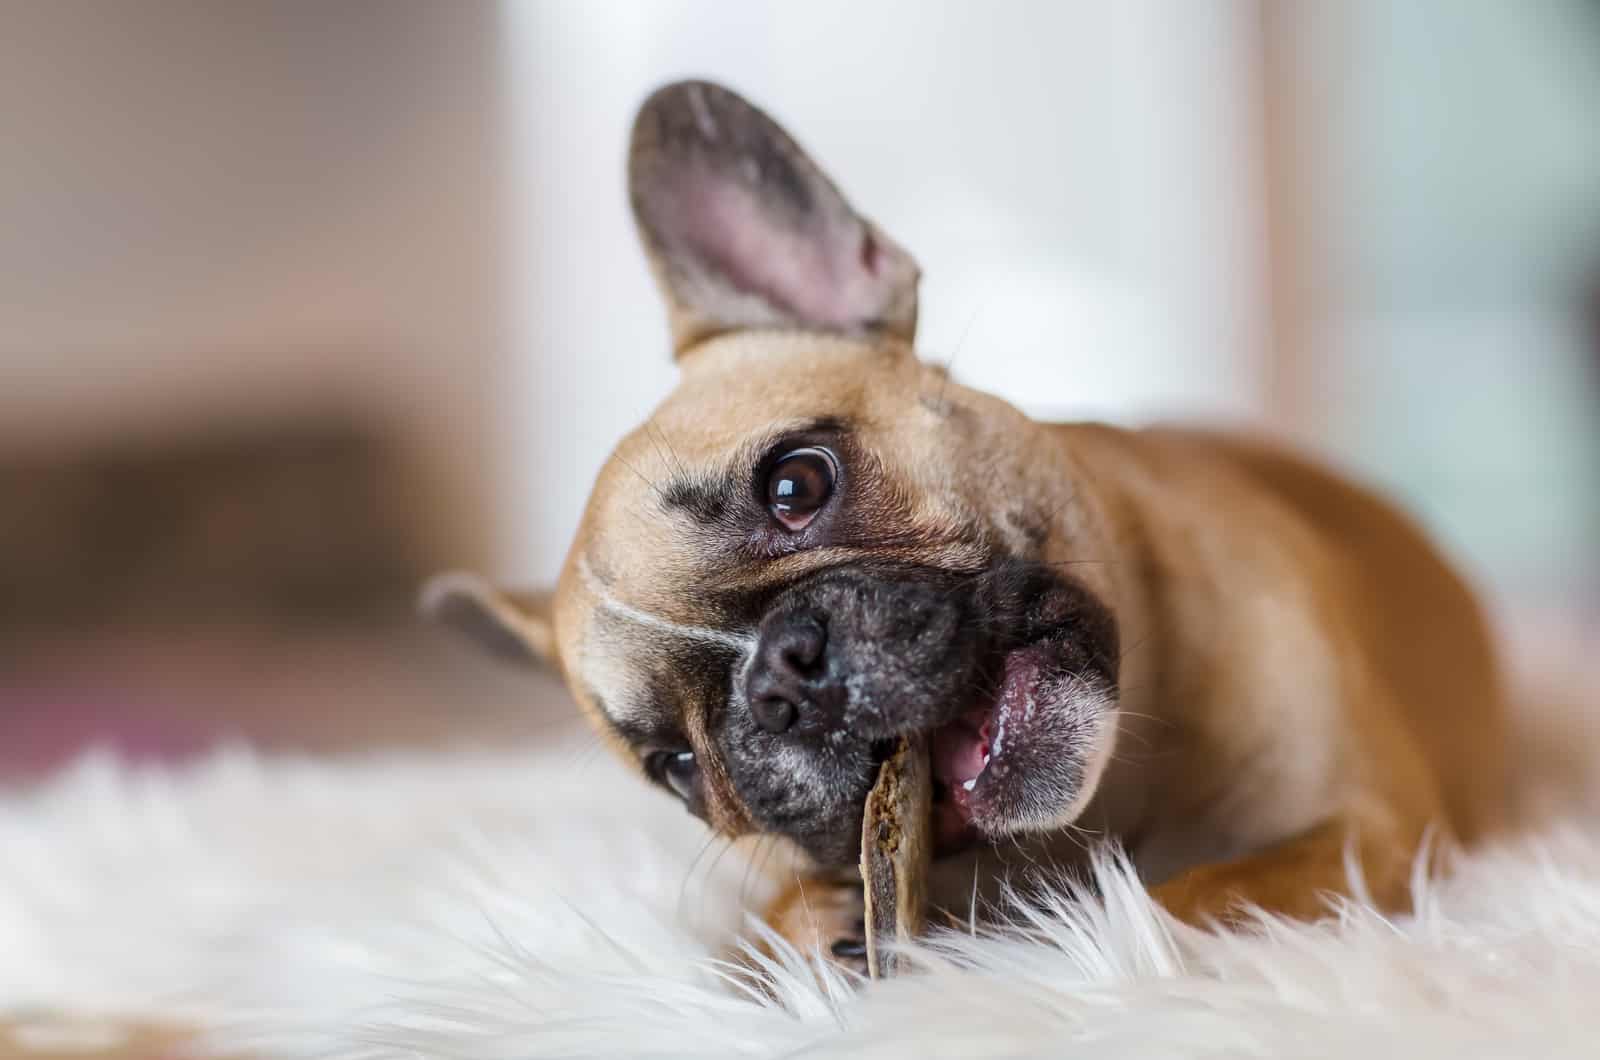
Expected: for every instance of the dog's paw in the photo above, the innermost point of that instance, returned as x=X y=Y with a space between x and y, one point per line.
x=826 y=915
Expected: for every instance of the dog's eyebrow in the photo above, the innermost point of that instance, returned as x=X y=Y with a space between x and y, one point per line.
x=708 y=499
x=710 y=496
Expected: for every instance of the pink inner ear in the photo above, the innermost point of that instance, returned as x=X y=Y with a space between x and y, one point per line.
x=821 y=272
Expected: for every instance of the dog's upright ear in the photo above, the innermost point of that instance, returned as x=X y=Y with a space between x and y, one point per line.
x=743 y=230
x=517 y=626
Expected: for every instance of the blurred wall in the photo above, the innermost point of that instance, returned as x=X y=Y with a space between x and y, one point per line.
x=1367 y=223
x=214 y=214
x=1078 y=181
x=1449 y=197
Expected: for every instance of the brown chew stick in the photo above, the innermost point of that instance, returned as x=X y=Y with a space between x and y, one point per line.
x=896 y=847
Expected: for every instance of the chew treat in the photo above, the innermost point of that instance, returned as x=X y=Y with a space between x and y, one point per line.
x=896 y=848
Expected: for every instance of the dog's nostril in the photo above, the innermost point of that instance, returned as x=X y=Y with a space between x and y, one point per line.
x=800 y=647
x=784 y=680
x=773 y=713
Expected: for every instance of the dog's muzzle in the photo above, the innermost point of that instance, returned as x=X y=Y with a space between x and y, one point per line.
x=849 y=660
x=842 y=664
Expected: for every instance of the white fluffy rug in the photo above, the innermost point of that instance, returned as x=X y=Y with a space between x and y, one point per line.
x=478 y=907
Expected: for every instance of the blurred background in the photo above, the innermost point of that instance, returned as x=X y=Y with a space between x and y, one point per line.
x=302 y=301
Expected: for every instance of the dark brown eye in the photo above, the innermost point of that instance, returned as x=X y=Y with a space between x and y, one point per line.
x=799 y=485
x=678 y=770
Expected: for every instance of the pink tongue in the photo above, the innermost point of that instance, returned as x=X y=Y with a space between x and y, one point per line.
x=959 y=752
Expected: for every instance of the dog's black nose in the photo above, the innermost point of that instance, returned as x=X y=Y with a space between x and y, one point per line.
x=788 y=677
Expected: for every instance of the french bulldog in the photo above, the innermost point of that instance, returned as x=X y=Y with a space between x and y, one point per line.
x=1248 y=672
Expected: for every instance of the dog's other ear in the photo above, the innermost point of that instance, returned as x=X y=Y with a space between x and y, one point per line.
x=743 y=230
x=511 y=625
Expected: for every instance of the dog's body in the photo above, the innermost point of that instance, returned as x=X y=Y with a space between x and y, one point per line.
x=1237 y=665
x=1317 y=677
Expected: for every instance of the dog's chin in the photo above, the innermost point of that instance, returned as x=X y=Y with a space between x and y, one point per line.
x=1025 y=759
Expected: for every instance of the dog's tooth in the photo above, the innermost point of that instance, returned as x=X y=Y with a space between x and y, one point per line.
x=968 y=785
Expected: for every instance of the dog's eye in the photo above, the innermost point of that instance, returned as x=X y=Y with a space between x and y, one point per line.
x=799 y=484
x=677 y=770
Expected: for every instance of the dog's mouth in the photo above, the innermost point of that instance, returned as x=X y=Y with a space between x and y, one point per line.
x=972 y=755
x=1025 y=755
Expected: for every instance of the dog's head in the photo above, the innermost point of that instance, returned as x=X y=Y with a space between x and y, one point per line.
x=818 y=543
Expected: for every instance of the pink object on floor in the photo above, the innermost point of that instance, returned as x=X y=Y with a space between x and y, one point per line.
x=40 y=731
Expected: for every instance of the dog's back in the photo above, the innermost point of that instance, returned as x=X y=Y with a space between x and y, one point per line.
x=1414 y=619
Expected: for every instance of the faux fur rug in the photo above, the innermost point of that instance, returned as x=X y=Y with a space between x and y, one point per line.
x=547 y=905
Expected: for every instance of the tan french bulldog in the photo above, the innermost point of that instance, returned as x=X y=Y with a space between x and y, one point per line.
x=1237 y=665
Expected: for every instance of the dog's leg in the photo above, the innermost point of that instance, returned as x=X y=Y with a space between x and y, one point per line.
x=1295 y=877
x=823 y=913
